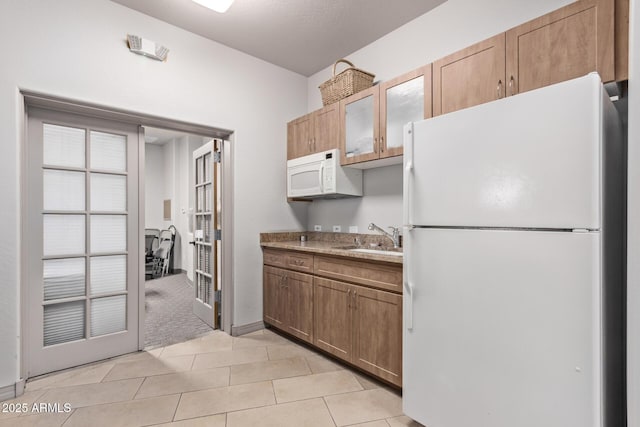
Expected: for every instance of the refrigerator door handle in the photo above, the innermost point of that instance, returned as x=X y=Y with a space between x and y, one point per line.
x=408 y=292
x=408 y=169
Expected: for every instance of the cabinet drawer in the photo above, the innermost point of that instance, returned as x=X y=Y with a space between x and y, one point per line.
x=299 y=261
x=376 y=275
x=274 y=257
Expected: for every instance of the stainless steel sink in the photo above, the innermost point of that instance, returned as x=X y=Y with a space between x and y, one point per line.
x=376 y=251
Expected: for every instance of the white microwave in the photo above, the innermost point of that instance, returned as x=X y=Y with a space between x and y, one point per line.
x=321 y=176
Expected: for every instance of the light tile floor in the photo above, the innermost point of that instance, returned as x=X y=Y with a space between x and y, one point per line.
x=259 y=379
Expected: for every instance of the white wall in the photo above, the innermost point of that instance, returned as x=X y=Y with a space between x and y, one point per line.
x=76 y=49
x=633 y=218
x=381 y=205
x=451 y=26
x=154 y=178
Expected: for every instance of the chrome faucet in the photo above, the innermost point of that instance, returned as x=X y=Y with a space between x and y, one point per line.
x=394 y=235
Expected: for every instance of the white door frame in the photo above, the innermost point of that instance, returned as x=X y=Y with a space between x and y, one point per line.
x=36 y=99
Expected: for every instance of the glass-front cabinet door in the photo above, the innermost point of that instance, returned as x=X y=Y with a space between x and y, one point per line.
x=359 y=121
x=371 y=121
x=405 y=99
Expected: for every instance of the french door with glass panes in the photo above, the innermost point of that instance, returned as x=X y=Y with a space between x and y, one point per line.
x=82 y=243
x=207 y=233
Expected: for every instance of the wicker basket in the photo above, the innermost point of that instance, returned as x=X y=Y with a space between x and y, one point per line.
x=348 y=82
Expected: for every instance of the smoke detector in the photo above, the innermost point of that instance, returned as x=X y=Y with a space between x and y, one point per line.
x=147 y=48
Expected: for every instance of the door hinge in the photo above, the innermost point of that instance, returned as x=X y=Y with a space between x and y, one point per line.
x=217 y=234
x=217 y=156
x=217 y=296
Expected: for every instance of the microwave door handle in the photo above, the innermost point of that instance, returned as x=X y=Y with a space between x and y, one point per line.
x=321 y=177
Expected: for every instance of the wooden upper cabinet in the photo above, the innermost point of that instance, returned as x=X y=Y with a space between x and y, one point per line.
x=314 y=132
x=567 y=43
x=622 y=40
x=371 y=121
x=404 y=99
x=299 y=137
x=360 y=126
x=326 y=128
x=469 y=77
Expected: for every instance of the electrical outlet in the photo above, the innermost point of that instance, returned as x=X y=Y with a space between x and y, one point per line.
x=337 y=228
x=317 y=228
x=353 y=229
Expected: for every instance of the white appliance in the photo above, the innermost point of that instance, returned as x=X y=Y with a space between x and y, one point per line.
x=513 y=291
x=320 y=175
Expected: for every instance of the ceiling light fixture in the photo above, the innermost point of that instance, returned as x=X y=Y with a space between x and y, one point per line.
x=220 y=6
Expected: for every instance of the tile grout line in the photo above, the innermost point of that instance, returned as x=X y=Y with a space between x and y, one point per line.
x=177 y=406
x=329 y=410
x=273 y=389
x=69 y=417
x=139 y=387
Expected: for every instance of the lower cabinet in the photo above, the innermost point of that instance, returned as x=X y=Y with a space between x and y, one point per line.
x=273 y=293
x=360 y=325
x=333 y=317
x=377 y=333
x=288 y=301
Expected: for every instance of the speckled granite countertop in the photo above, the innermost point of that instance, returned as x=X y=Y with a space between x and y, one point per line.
x=336 y=244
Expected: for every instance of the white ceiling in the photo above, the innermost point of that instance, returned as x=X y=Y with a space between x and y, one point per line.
x=304 y=36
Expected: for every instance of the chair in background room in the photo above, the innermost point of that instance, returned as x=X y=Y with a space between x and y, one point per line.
x=151 y=244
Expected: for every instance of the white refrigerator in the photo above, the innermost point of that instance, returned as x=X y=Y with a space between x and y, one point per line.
x=513 y=286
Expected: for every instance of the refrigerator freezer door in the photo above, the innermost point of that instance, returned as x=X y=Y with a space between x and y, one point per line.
x=506 y=328
x=531 y=160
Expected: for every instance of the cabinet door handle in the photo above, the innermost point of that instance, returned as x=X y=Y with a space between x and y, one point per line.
x=314 y=144
x=499 y=89
x=382 y=144
x=355 y=300
x=375 y=145
x=511 y=85
x=309 y=144
x=348 y=298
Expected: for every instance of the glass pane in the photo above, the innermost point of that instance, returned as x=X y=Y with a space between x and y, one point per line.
x=204 y=257
x=108 y=192
x=204 y=224
x=108 y=233
x=63 y=322
x=204 y=289
x=405 y=103
x=108 y=315
x=63 y=234
x=63 y=190
x=359 y=127
x=207 y=167
x=63 y=146
x=199 y=199
x=63 y=278
x=199 y=171
x=207 y=197
x=108 y=274
x=108 y=151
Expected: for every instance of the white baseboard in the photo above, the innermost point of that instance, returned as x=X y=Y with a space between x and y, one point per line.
x=8 y=392
x=248 y=328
